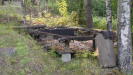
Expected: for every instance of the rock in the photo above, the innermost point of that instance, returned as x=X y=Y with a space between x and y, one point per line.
x=66 y=57
x=7 y=51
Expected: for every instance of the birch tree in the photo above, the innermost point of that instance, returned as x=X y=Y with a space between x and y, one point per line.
x=88 y=10
x=124 y=36
x=109 y=15
x=1 y=2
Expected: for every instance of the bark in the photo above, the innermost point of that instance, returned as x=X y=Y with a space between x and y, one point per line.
x=88 y=9
x=109 y=15
x=46 y=5
x=1 y=2
x=124 y=39
x=36 y=2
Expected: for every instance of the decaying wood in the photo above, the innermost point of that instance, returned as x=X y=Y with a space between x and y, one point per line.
x=78 y=38
x=29 y=27
x=107 y=57
x=63 y=35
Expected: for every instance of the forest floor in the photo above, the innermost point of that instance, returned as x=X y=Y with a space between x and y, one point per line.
x=29 y=58
x=23 y=55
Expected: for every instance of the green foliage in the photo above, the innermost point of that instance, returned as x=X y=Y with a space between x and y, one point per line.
x=85 y=54
x=76 y=5
x=99 y=8
x=132 y=17
x=74 y=17
x=28 y=4
x=62 y=7
x=8 y=10
x=65 y=7
x=132 y=28
x=30 y=58
x=114 y=8
x=53 y=53
x=100 y=23
x=25 y=60
x=56 y=21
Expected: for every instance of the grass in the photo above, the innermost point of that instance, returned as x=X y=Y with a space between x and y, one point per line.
x=31 y=59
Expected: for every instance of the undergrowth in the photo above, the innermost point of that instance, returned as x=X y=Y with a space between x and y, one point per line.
x=31 y=59
x=55 y=21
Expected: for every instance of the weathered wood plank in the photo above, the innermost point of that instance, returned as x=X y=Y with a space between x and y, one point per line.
x=107 y=57
x=29 y=27
x=78 y=38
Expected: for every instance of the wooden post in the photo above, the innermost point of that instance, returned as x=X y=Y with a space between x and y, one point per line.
x=107 y=57
x=66 y=54
x=94 y=44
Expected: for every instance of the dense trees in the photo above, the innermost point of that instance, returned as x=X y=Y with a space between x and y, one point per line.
x=124 y=36
x=83 y=10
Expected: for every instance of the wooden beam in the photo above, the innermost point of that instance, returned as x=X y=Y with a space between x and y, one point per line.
x=29 y=27
x=78 y=38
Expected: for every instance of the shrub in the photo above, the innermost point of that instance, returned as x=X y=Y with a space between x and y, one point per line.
x=100 y=23
x=62 y=7
x=56 y=21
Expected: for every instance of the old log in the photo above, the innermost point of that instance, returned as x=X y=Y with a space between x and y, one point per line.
x=107 y=57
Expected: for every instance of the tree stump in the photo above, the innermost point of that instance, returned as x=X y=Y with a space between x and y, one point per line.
x=107 y=57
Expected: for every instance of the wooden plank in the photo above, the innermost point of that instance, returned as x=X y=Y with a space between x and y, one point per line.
x=78 y=38
x=63 y=37
x=107 y=57
x=29 y=27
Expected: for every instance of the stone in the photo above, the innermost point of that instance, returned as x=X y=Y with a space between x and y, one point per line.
x=7 y=51
x=66 y=57
x=107 y=57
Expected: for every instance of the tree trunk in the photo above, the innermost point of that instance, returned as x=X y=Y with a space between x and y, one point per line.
x=36 y=2
x=124 y=36
x=109 y=15
x=88 y=9
x=46 y=5
x=1 y=2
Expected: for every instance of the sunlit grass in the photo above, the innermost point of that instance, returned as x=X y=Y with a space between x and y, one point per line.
x=30 y=57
